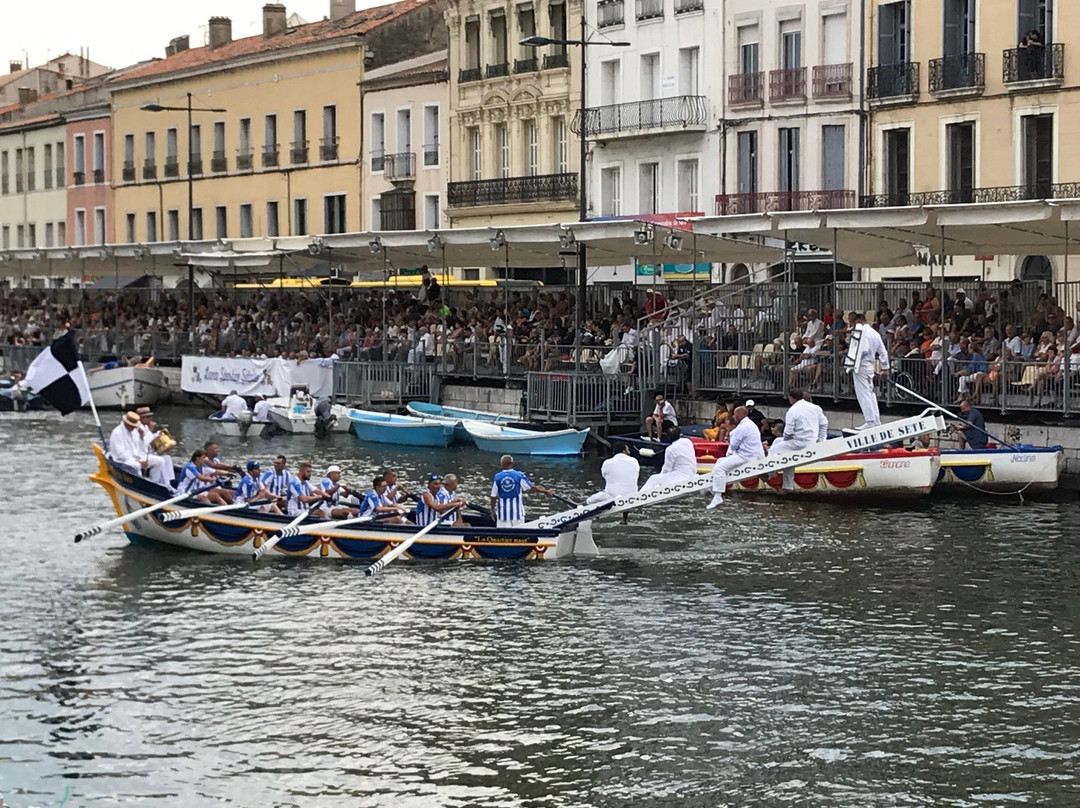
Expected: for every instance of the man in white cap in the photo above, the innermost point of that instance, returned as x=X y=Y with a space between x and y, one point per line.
x=333 y=488
x=744 y=445
x=755 y=415
x=866 y=346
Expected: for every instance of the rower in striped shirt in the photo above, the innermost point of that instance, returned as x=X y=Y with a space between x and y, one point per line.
x=277 y=481
x=434 y=502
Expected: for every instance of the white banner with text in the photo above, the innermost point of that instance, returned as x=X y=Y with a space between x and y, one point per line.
x=219 y=375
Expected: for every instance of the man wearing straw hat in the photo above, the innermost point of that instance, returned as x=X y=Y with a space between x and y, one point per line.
x=159 y=468
x=126 y=443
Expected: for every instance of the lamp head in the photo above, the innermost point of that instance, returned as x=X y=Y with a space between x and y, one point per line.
x=567 y=239
x=152 y=108
x=536 y=41
x=643 y=235
x=498 y=241
x=376 y=246
x=435 y=243
x=673 y=241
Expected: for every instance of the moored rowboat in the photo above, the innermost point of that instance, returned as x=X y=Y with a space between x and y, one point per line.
x=508 y=440
x=1001 y=469
x=401 y=430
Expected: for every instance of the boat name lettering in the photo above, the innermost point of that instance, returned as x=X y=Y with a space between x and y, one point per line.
x=895 y=464
x=501 y=539
x=1022 y=459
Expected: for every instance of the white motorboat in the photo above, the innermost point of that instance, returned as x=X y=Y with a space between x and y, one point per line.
x=127 y=387
x=240 y=426
x=300 y=414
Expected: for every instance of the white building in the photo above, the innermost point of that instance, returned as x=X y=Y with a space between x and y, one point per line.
x=33 y=188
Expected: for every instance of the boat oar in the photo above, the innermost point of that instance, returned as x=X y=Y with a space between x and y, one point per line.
x=176 y=516
x=379 y=565
x=96 y=529
x=566 y=501
x=949 y=413
x=320 y=527
x=285 y=532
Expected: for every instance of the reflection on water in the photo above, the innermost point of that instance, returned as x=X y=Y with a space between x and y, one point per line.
x=774 y=653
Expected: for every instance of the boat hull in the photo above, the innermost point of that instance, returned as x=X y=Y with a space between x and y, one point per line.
x=400 y=430
x=1000 y=471
x=891 y=473
x=506 y=440
x=127 y=387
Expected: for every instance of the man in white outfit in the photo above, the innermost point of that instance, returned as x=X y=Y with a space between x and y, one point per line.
x=621 y=472
x=866 y=346
x=744 y=445
x=680 y=461
x=126 y=443
x=232 y=405
x=801 y=429
x=159 y=468
x=823 y=419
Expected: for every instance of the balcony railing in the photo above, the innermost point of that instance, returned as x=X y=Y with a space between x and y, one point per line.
x=401 y=166
x=270 y=157
x=219 y=163
x=687 y=6
x=497 y=71
x=832 y=81
x=1041 y=63
x=788 y=84
x=129 y=171
x=99 y=176
x=1038 y=190
x=298 y=154
x=951 y=74
x=466 y=74
x=650 y=9
x=553 y=61
x=678 y=113
x=526 y=65
x=194 y=167
x=431 y=154
x=5 y=185
x=542 y=188
x=245 y=160
x=328 y=149
x=149 y=170
x=172 y=167
x=378 y=160
x=896 y=81
x=775 y=201
x=78 y=178
x=609 y=13
x=745 y=88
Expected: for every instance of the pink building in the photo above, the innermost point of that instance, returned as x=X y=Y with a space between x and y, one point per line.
x=89 y=168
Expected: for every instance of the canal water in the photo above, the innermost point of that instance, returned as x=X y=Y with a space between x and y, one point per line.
x=769 y=653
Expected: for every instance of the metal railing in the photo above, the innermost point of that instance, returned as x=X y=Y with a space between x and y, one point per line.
x=1033 y=63
x=896 y=81
x=77 y=178
x=128 y=172
x=964 y=71
x=541 y=188
x=194 y=167
x=466 y=74
x=773 y=201
x=687 y=6
x=1002 y=193
x=832 y=81
x=497 y=70
x=270 y=156
x=431 y=154
x=382 y=384
x=553 y=61
x=219 y=163
x=172 y=167
x=526 y=65
x=609 y=13
x=401 y=166
x=788 y=84
x=679 y=112
x=99 y=176
x=149 y=169
x=650 y=9
x=298 y=154
x=328 y=149
x=245 y=160
x=378 y=160
x=746 y=88
x=580 y=399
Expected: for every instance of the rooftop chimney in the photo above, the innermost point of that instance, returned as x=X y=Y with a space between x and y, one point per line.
x=220 y=32
x=342 y=8
x=274 y=19
x=178 y=45
x=14 y=67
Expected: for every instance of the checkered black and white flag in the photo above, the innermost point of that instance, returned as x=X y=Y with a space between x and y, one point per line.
x=58 y=376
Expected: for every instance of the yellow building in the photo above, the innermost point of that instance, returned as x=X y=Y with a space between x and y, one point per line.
x=275 y=140
x=972 y=101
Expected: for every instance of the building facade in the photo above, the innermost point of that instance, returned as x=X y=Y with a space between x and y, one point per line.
x=89 y=182
x=405 y=110
x=33 y=183
x=513 y=159
x=973 y=101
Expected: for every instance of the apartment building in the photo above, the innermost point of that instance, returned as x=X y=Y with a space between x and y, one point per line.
x=513 y=158
x=405 y=107
x=273 y=147
x=33 y=184
x=973 y=101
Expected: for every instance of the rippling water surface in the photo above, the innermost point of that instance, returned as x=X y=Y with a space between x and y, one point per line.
x=768 y=654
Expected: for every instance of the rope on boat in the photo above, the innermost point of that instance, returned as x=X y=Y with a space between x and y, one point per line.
x=1019 y=493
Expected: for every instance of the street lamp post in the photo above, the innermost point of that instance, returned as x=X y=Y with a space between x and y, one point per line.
x=583 y=43
x=189 y=109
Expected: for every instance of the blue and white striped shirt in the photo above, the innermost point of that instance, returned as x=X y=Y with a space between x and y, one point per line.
x=247 y=489
x=425 y=514
x=189 y=478
x=326 y=485
x=371 y=501
x=277 y=483
x=508 y=487
x=299 y=488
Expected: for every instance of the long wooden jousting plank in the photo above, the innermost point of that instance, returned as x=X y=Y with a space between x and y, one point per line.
x=891 y=432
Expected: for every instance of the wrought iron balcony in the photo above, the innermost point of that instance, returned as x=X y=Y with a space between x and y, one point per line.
x=832 y=81
x=650 y=9
x=775 y=201
x=788 y=84
x=609 y=13
x=129 y=171
x=99 y=176
x=77 y=178
x=497 y=71
x=1037 y=190
x=245 y=160
x=172 y=167
x=378 y=160
x=745 y=88
x=466 y=74
x=298 y=154
x=526 y=65
x=431 y=154
x=898 y=82
x=1040 y=63
x=553 y=61
x=194 y=167
x=400 y=166
x=679 y=113
x=687 y=6
x=270 y=156
x=149 y=169
x=219 y=163
x=328 y=149
x=963 y=73
x=510 y=190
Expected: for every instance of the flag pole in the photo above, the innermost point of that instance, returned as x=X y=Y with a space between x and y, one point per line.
x=93 y=409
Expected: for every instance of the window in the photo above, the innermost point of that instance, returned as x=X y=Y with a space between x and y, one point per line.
x=129 y=150
x=300 y=222
x=526 y=27
x=299 y=126
x=19 y=167
x=376 y=213
x=431 y=135
x=502 y=139
x=80 y=228
x=245 y=136
x=50 y=235
x=1037 y=132
x=151 y=225
x=748 y=49
x=270 y=140
x=80 y=155
x=61 y=168
x=172 y=216
x=132 y=237
x=404 y=131
x=477 y=159
x=789 y=159
x=1035 y=15
x=611 y=191
x=688 y=186
x=648 y=188
x=218 y=162
x=748 y=162
x=833 y=164
x=610 y=82
x=4 y=173
x=532 y=149
x=99 y=225
x=328 y=148
x=196 y=143
x=196 y=233
x=5 y=237
x=557 y=16
x=61 y=234
x=499 y=58
x=20 y=236
x=99 y=157
x=334 y=213
x=247 y=228
x=689 y=70
x=791 y=44
x=958 y=18
x=472 y=44
x=432 y=214
x=221 y=221
x=650 y=76
x=378 y=141
x=835 y=37
x=894 y=33
x=960 y=140
x=31 y=171
x=150 y=146
x=897 y=166
x=171 y=158
x=558 y=126
x=273 y=222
